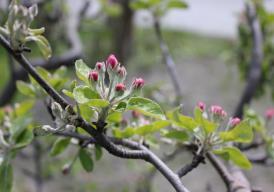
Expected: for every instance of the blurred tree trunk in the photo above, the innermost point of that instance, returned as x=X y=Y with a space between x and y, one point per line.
x=122 y=28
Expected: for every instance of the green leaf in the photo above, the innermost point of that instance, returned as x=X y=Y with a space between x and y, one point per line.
x=114 y=117
x=121 y=107
x=44 y=73
x=86 y=112
x=43 y=45
x=85 y=159
x=59 y=146
x=177 y=4
x=98 y=103
x=84 y=94
x=151 y=128
x=242 y=133
x=24 y=139
x=181 y=121
x=139 y=4
x=68 y=93
x=179 y=135
x=205 y=124
x=24 y=108
x=98 y=152
x=6 y=175
x=146 y=107
x=18 y=126
x=125 y=133
x=25 y=88
x=82 y=70
x=235 y=155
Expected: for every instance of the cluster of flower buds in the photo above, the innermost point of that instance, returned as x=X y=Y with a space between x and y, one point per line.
x=117 y=75
x=217 y=113
x=269 y=113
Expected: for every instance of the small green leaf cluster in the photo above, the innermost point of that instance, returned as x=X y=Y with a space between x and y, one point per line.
x=15 y=134
x=158 y=7
x=18 y=31
x=57 y=80
x=209 y=131
x=260 y=125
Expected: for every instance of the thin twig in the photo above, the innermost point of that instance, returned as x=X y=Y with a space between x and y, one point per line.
x=169 y=62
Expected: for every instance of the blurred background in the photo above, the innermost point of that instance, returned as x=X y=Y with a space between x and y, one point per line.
x=205 y=42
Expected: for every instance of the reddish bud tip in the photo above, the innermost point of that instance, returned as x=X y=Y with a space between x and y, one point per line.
x=135 y=114
x=99 y=66
x=66 y=169
x=269 y=113
x=138 y=83
x=93 y=75
x=201 y=105
x=218 y=110
x=235 y=121
x=120 y=87
x=122 y=71
x=112 y=62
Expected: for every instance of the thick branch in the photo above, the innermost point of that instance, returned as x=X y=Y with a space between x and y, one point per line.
x=221 y=169
x=256 y=61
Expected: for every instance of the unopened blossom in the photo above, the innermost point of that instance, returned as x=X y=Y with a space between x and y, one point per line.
x=269 y=113
x=234 y=121
x=138 y=83
x=93 y=75
x=112 y=61
x=121 y=71
x=218 y=110
x=120 y=87
x=99 y=66
x=201 y=106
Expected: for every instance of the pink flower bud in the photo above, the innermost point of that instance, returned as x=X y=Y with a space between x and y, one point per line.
x=202 y=106
x=138 y=83
x=135 y=114
x=122 y=71
x=66 y=169
x=93 y=75
x=120 y=87
x=112 y=62
x=269 y=113
x=99 y=66
x=218 y=110
x=234 y=121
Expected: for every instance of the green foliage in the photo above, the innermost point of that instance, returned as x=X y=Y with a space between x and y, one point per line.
x=242 y=133
x=158 y=7
x=57 y=80
x=146 y=107
x=244 y=49
x=86 y=160
x=59 y=146
x=235 y=155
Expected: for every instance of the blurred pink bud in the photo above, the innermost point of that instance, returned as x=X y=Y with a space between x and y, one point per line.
x=99 y=66
x=138 y=83
x=122 y=71
x=120 y=87
x=218 y=110
x=201 y=105
x=235 y=121
x=135 y=114
x=112 y=62
x=269 y=113
x=66 y=169
x=93 y=75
